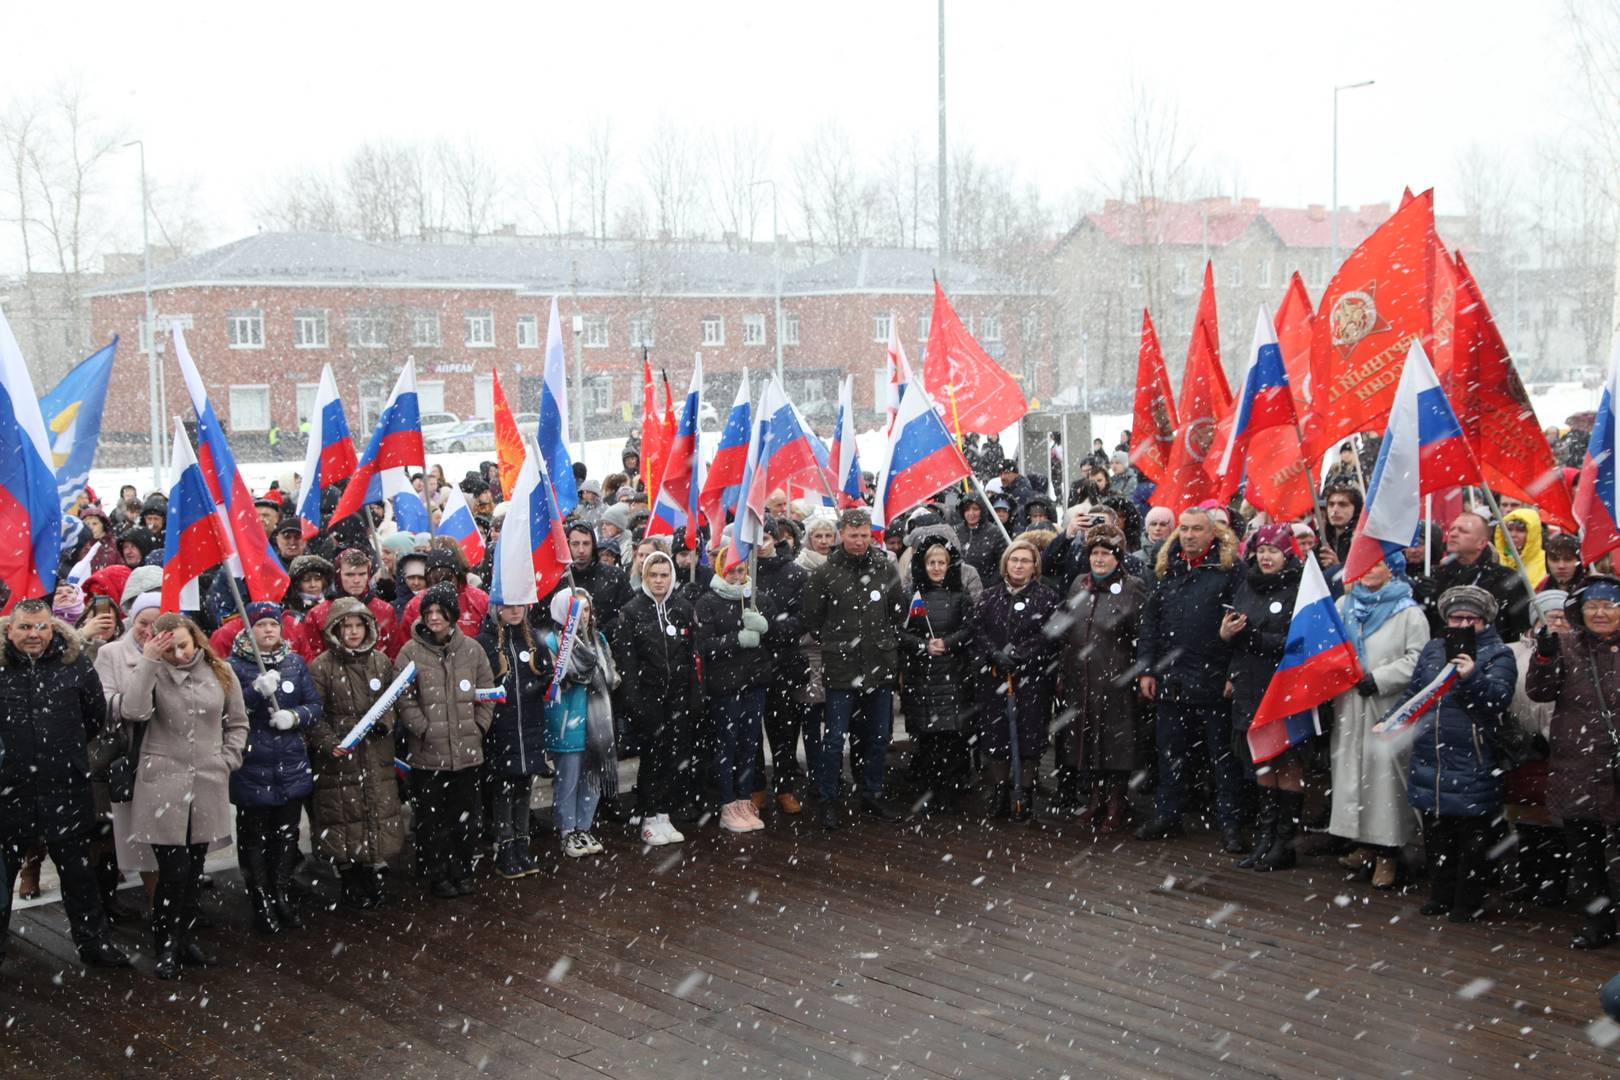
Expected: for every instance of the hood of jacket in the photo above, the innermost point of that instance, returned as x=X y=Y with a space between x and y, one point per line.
x=341 y=609
x=1226 y=546
x=66 y=645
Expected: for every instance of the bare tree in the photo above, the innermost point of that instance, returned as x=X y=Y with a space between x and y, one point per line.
x=591 y=164
x=739 y=160
x=385 y=188
x=1595 y=30
x=671 y=176
x=303 y=201
x=906 y=185
x=835 y=203
x=65 y=172
x=471 y=187
x=174 y=209
x=1491 y=201
x=549 y=188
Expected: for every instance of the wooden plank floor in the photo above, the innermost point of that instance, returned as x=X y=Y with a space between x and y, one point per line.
x=951 y=948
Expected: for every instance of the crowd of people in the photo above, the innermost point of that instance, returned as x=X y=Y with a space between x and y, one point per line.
x=1093 y=664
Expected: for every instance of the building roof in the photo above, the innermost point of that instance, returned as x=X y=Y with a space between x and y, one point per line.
x=1219 y=221
x=309 y=259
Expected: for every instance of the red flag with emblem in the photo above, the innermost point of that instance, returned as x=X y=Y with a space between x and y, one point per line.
x=1153 y=422
x=1380 y=299
x=508 y=441
x=1205 y=399
x=965 y=379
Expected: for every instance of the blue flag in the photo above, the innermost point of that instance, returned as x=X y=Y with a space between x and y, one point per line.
x=72 y=412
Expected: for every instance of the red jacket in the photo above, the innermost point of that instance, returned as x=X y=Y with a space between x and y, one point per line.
x=474 y=605
x=310 y=641
x=224 y=639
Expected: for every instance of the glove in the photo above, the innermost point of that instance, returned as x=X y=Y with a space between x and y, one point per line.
x=1003 y=658
x=283 y=720
x=266 y=683
x=1367 y=687
x=1546 y=642
x=753 y=620
x=748 y=639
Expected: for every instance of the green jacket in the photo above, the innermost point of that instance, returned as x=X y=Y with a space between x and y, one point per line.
x=856 y=606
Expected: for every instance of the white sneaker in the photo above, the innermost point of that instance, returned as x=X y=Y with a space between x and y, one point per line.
x=652 y=833
x=672 y=835
x=573 y=845
x=592 y=847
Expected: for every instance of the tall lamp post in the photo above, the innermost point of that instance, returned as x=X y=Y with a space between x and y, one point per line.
x=149 y=337
x=1333 y=266
x=776 y=258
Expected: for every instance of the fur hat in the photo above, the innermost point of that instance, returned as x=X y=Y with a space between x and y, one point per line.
x=1468 y=598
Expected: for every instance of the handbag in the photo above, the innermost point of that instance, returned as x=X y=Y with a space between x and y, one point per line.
x=121 y=772
x=1607 y=715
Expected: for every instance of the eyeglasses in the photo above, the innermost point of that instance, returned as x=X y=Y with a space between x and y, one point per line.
x=1602 y=607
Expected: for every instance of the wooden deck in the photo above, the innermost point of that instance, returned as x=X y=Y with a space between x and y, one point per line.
x=947 y=949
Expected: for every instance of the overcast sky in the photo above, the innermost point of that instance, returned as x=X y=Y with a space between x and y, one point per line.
x=234 y=95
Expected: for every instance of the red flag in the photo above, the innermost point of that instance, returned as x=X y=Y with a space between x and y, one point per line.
x=1205 y=398
x=651 y=427
x=961 y=376
x=668 y=431
x=1295 y=317
x=508 y=441
x=1495 y=411
x=1153 y=423
x=1380 y=299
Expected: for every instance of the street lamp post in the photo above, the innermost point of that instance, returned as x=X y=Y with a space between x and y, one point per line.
x=1333 y=266
x=776 y=258
x=149 y=338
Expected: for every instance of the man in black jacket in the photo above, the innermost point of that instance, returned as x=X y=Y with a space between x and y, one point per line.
x=1184 y=664
x=781 y=596
x=1470 y=560
x=608 y=585
x=51 y=705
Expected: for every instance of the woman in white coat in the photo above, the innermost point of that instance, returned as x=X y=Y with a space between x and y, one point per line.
x=1389 y=630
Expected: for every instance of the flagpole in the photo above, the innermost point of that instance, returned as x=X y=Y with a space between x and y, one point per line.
x=241 y=609
x=1428 y=534
x=1310 y=476
x=984 y=498
x=1518 y=560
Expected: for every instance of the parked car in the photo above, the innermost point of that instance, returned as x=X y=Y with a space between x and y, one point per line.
x=437 y=423
x=467 y=435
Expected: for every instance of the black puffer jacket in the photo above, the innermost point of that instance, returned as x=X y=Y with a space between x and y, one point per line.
x=1268 y=602
x=657 y=669
x=982 y=547
x=515 y=743
x=932 y=688
x=781 y=600
x=609 y=588
x=1180 y=642
x=855 y=605
x=50 y=708
x=728 y=668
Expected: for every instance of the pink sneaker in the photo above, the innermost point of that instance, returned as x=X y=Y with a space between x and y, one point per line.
x=732 y=818
x=751 y=815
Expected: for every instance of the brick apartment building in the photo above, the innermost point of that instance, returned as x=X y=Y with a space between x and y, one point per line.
x=266 y=312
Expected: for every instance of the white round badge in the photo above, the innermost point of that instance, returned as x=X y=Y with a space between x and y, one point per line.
x=1018 y=606
x=465 y=686
x=1116 y=588
x=669 y=628
x=876 y=596
x=376 y=684
x=523 y=657
x=1276 y=606
x=287 y=686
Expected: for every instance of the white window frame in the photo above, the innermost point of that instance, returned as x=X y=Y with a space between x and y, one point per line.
x=790 y=328
x=358 y=320
x=880 y=326
x=483 y=397
x=990 y=328
x=1029 y=328
x=641 y=332
x=599 y=395
x=238 y=422
x=714 y=330
x=426 y=333
x=1134 y=275
x=528 y=331
x=1183 y=275
x=753 y=330
x=1234 y=276
x=478 y=328
x=594 y=332
x=310 y=330
x=245 y=328
x=304 y=395
x=925 y=323
x=1265 y=273
x=430 y=395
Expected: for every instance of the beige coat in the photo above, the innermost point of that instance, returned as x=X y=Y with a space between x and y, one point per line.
x=195 y=733
x=115 y=663
x=441 y=712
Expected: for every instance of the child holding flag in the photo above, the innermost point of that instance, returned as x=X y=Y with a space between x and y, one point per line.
x=582 y=683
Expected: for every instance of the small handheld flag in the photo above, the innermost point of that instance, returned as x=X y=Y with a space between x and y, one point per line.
x=1407 y=712
x=363 y=726
x=565 y=648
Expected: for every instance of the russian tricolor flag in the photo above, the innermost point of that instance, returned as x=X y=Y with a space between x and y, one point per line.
x=921 y=459
x=1597 y=502
x=1423 y=453
x=723 y=482
x=779 y=454
x=250 y=547
x=329 y=457
x=554 y=417
x=531 y=554
x=458 y=524
x=395 y=447
x=28 y=503
x=898 y=369
x=680 y=486
x=194 y=540
x=844 y=458
x=1265 y=402
x=1318 y=664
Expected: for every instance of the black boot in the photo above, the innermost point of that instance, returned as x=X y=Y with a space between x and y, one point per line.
x=281 y=854
x=1025 y=810
x=509 y=861
x=1094 y=805
x=256 y=878
x=376 y=887
x=353 y=891
x=107 y=882
x=1598 y=932
x=167 y=900
x=191 y=951
x=1280 y=855
x=1265 y=828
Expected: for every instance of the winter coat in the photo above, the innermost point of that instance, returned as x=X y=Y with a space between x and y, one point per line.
x=982 y=547
x=813 y=691
x=1268 y=601
x=516 y=741
x=728 y=668
x=781 y=601
x=1017 y=623
x=309 y=639
x=1180 y=642
x=473 y=605
x=275 y=766
x=855 y=606
x=1370 y=805
x=356 y=803
x=1502 y=582
x=196 y=730
x=609 y=587
x=1454 y=771
x=1581 y=781
x=657 y=669
x=223 y=639
x=566 y=717
x=50 y=709
x=972 y=583
x=443 y=718
x=1098 y=676
x=932 y=687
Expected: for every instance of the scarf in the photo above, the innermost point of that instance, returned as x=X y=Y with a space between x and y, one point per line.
x=242 y=646
x=1369 y=610
x=810 y=560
